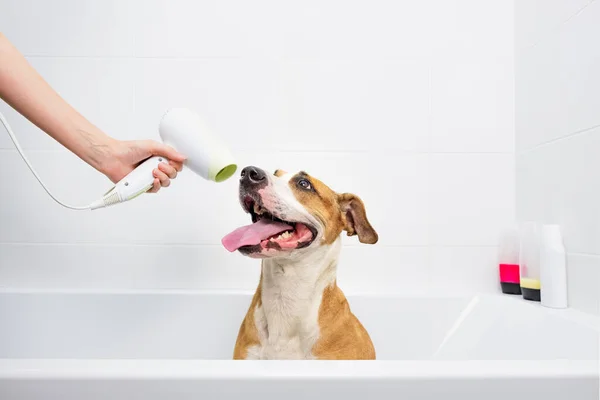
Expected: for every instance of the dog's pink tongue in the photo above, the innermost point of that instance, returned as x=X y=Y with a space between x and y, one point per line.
x=253 y=234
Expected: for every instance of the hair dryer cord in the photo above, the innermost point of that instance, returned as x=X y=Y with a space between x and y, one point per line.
x=20 y=150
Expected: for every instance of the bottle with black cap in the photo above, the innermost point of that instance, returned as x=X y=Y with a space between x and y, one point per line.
x=529 y=261
x=508 y=261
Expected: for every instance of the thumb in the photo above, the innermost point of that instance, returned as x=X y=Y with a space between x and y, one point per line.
x=159 y=149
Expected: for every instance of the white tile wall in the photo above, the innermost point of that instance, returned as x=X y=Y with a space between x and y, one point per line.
x=407 y=104
x=208 y=29
x=482 y=118
x=470 y=196
x=102 y=89
x=458 y=269
x=318 y=29
x=555 y=184
x=241 y=99
x=94 y=28
x=471 y=27
x=558 y=132
x=335 y=105
x=124 y=266
x=583 y=277
x=534 y=19
x=559 y=94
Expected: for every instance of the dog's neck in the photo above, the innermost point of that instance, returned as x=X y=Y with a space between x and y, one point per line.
x=292 y=289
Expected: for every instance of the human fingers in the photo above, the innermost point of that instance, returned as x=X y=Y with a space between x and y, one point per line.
x=162 y=177
x=155 y=186
x=168 y=169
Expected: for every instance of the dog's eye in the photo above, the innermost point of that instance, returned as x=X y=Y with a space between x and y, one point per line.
x=303 y=183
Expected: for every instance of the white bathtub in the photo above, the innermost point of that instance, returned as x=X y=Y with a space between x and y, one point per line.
x=160 y=346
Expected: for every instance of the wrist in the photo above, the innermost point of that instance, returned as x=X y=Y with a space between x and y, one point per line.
x=98 y=149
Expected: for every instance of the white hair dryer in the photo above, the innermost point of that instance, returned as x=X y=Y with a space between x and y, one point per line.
x=179 y=128
x=185 y=131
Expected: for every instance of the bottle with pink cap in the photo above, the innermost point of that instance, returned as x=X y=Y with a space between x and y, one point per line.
x=508 y=261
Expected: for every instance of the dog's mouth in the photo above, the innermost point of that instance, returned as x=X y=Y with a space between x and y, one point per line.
x=268 y=234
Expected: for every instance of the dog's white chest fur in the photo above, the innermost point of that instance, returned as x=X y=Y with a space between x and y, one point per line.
x=287 y=320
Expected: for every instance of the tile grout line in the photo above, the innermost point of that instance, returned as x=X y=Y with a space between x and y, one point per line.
x=428 y=190
x=333 y=152
x=593 y=255
x=554 y=30
x=577 y=13
x=261 y=58
x=560 y=139
x=200 y=245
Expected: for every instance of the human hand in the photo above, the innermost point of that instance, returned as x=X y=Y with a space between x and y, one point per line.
x=123 y=156
x=25 y=90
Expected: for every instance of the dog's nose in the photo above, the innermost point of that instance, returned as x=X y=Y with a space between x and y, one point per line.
x=253 y=176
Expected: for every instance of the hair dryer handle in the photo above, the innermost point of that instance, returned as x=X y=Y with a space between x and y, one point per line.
x=140 y=180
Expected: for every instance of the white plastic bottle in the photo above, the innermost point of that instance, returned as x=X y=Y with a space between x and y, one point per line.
x=553 y=268
x=508 y=261
x=529 y=261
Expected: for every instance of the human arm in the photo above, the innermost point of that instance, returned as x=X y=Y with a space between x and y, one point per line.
x=22 y=87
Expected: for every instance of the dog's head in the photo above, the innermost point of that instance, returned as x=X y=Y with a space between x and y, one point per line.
x=294 y=212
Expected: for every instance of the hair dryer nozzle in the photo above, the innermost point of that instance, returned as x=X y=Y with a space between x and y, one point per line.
x=206 y=155
x=225 y=173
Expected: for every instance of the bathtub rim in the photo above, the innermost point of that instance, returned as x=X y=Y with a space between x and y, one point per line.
x=122 y=369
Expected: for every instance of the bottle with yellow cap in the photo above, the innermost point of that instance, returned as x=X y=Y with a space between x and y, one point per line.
x=529 y=261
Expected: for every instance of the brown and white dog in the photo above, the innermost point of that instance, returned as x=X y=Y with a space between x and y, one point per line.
x=298 y=311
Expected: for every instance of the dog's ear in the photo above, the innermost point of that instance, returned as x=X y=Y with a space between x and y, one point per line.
x=279 y=172
x=355 y=218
